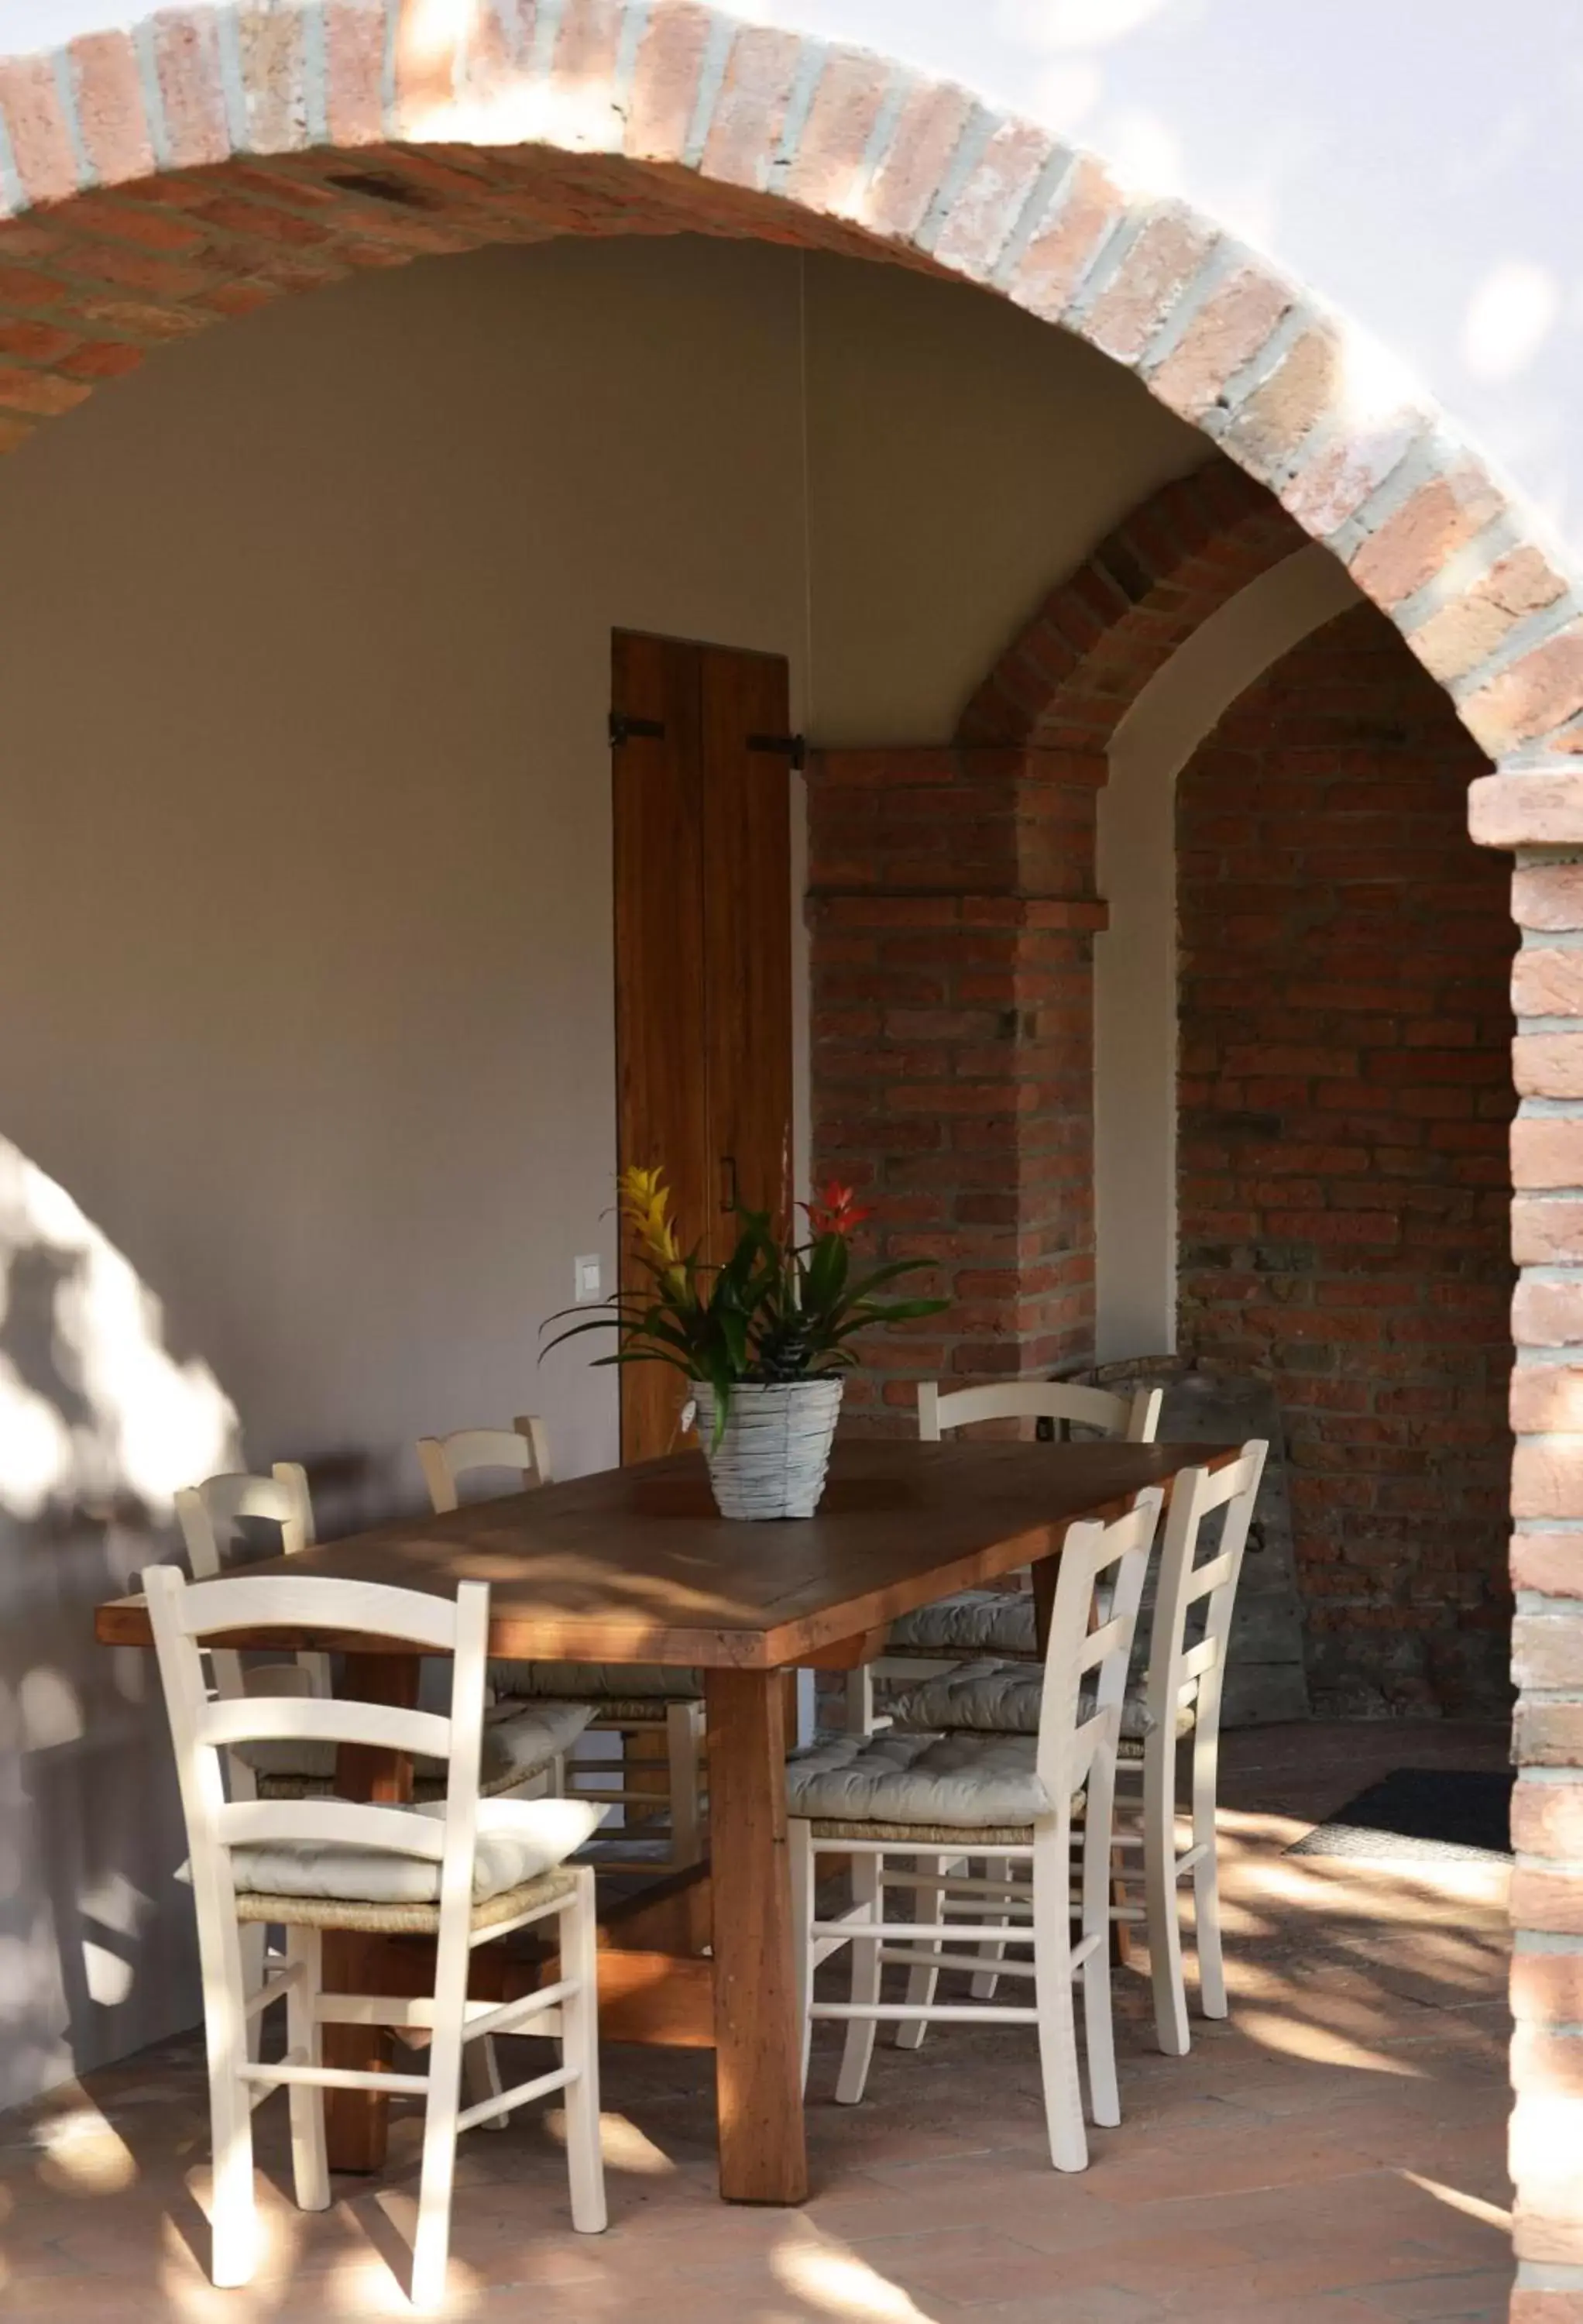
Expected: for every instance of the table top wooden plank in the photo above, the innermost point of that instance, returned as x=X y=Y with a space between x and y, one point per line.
x=634 y=1564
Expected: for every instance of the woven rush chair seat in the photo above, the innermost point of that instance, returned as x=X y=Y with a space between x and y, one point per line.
x=973 y=1622
x=993 y=1698
x=399 y=1919
x=519 y=1742
x=956 y=1838
x=962 y=1785
x=638 y=1692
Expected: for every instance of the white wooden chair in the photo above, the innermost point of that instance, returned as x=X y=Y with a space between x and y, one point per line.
x=1132 y=1419
x=1187 y=1673
x=1022 y=1800
x=525 y=1746
x=989 y=1622
x=211 y=1517
x=1180 y=1697
x=628 y=1700
x=464 y=1870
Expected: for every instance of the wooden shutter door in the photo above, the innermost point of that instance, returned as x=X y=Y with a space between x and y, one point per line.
x=659 y=973
x=703 y=953
x=747 y=932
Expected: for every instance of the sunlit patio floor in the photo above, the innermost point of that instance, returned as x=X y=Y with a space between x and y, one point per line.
x=1333 y=2153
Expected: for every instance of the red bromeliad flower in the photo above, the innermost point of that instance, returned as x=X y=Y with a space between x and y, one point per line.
x=835 y=1210
x=773 y=1310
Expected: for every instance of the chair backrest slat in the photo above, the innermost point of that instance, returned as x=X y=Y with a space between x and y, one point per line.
x=1175 y=1664
x=1101 y=1567
x=309 y=1718
x=446 y=1460
x=1100 y=1641
x=1198 y=1659
x=329 y=1823
x=278 y=1601
x=1212 y=1576
x=1135 y=1419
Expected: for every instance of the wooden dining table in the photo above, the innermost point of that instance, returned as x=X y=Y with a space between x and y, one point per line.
x=634 y=1565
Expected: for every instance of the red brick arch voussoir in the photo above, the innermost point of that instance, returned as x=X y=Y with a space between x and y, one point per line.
x=1069 y=677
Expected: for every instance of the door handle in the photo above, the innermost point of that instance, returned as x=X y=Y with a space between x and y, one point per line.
x=731 y=1200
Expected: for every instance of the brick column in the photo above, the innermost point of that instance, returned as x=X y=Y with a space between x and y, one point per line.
x=953 y=914
x=1538 y=813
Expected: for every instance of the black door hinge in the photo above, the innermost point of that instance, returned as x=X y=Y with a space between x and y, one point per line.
x=623 y=729
x=789 y=746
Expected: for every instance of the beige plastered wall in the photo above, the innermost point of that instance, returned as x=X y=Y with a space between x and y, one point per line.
x=306 y=1054
x=1136 y=958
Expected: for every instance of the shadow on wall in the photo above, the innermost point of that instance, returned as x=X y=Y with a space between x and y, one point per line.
x=99 y=1427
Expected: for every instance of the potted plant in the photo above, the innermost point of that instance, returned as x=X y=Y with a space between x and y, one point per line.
x=764 y=1338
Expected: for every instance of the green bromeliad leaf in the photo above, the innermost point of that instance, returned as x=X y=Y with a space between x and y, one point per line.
x=773 y=1310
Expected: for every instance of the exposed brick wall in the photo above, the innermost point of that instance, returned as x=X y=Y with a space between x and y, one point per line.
x=1542 y=815
x=1345 y=1095
x=952 y=909
x=951 y=916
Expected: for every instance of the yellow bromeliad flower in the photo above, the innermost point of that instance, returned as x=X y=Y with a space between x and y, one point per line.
x=645 y=1201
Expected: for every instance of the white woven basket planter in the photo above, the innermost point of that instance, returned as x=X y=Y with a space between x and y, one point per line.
x=772 y=1459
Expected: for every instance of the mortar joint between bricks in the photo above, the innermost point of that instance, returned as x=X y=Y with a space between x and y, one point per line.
x=1221 y=261
x=1534 y=629
x=1422 y=463
x=1248 y=377
x=1471 y=563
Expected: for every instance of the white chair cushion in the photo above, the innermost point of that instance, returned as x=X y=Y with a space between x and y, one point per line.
x=595 y=1682
x=517 y=1840
x=519 y=1741
x=989 y=1698
x=957 y=1780
x=974 y=1622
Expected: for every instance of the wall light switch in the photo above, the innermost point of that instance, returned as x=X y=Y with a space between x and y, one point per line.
x=585 y=1278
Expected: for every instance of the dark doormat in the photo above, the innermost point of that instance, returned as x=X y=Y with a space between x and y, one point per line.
x=1420 y=1812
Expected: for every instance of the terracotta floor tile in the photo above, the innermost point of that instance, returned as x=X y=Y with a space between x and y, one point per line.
x=1202 y=2303
x=1329 y=2156
x=1064 y=2304
x=1479 y=2295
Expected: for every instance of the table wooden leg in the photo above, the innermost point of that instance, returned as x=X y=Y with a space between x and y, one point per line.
x=357 y=2122
x=757 y=2063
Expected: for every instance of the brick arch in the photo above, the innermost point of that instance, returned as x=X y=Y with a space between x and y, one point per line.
x=212 y=159
x=1069 y=677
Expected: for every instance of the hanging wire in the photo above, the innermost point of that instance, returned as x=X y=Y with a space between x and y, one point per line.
x=807 y=501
